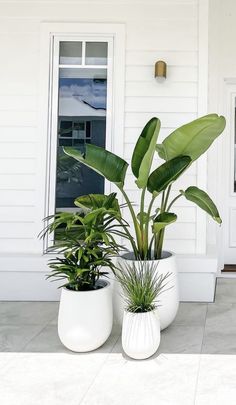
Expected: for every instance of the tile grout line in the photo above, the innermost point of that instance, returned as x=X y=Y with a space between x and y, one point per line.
x=38 y=333
x=23 y=347
x=35 y=336
x=200 y=359
x=99 y=371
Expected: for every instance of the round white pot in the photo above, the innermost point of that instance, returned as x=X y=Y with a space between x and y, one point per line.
x=168 y=301
x=140 y=334
x=85 y=318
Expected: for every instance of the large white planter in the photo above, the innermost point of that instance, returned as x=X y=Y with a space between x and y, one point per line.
x=85 y=318
x=168 y=301
x=140 y=334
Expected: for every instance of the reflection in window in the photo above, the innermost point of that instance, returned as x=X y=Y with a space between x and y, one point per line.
x=81 y=120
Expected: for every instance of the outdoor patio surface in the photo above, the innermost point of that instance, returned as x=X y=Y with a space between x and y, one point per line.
x=195 y=364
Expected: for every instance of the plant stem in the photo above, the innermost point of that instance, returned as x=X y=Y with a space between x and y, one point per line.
x=135 y=222
x=142 y=208
x=162 y=200
x=149 y=248
x=167 y=197
x=131 y=239
x=160 y=244
x=173 y=201
x=160 y=237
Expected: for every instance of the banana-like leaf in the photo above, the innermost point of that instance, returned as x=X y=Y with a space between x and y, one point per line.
x=144 y=151
x=202 y=199
x=106 y=163
x=93 y=201
x=167 y=173
x=162 y=220
x=192 y=139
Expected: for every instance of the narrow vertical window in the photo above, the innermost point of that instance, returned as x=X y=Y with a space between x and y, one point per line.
x=81 y=115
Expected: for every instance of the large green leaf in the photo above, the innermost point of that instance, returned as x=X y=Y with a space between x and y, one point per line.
x=144 y=151
x=202 y=199
x=192 y=139
x=106 y=163
x=93 y=201
x=162 y=220
x=167 y=173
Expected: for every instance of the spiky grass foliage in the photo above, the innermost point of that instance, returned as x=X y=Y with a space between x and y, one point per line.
x=141 y=285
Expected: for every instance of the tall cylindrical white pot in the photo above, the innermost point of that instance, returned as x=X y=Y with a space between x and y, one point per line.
x=85 y=318
x=168 y=301
x=140 y=334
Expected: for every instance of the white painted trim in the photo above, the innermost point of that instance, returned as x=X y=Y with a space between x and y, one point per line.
x=227 y=89
x=52 y=135
x=197 y=275
x=201 y=236
x=103 y=2
x=116 y=102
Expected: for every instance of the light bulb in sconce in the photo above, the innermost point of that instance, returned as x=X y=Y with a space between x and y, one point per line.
x=160 y=70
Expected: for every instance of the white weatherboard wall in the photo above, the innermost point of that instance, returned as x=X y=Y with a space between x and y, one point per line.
x=172 y=30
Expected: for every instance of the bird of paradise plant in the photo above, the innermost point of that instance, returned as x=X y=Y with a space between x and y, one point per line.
x=178 y=151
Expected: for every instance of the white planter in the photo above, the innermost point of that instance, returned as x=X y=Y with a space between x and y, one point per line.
x=140 y=334
x=168 y=301
x=85 y=318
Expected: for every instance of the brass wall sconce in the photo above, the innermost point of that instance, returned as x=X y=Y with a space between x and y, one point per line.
x=160 y=69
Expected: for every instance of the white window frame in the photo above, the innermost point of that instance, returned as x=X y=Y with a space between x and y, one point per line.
x=51 y=32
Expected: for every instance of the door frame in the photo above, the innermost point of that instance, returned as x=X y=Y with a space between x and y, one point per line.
x=228 y=89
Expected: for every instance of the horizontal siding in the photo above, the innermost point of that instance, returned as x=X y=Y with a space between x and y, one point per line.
x=160 y=38
x=180 y=246
x=18 y=166
x=140 y=58
x=168 y=120
x=12 y=134
x=19 y=245
x=175 y=73
x=17 y=150
x=166 y=89
x=155 y=30
x=159 y=105
x=179 y=231
x=102 y=11
x=18 y=103
x=16 y=214
x=18 y=118
x=17 y=198
x=17 y=182
x=18 y=230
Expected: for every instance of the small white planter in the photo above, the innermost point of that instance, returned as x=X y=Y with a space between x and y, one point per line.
x=85 y=318
x=140 y=334
x=168 y=301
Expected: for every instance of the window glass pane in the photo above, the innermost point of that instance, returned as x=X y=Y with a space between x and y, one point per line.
x=70 y=53
x=96 y=53
x=81 y=120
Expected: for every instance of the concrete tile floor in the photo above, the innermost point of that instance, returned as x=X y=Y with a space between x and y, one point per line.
x=195 y=364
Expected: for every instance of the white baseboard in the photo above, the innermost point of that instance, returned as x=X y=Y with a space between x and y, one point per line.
x=22 y=278
x=197 y=277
